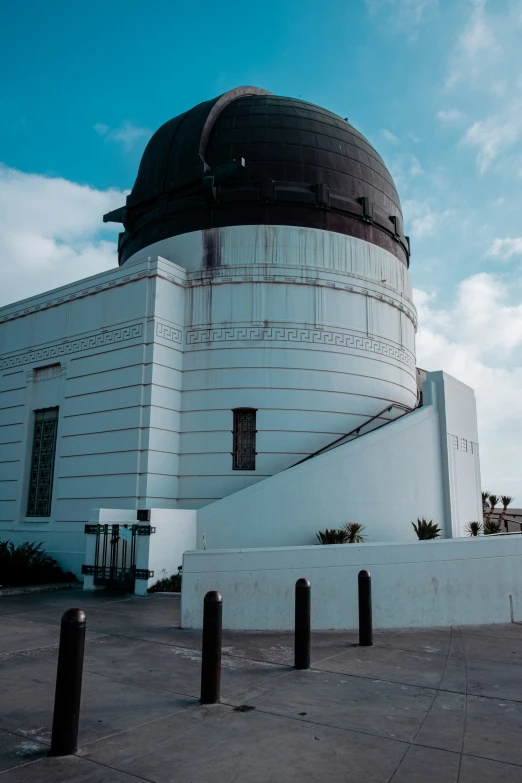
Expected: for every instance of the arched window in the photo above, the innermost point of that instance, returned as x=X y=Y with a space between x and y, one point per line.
x=244 y=453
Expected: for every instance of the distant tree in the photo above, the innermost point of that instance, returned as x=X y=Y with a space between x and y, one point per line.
x=492 y=500
x=505 y=500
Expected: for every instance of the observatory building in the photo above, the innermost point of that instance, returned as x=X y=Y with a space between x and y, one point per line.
x=248 y=368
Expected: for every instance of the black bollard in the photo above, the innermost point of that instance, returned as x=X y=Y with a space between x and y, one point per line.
x=302 y=624
x=365 y=609
x=68 y=684
x=211 y=648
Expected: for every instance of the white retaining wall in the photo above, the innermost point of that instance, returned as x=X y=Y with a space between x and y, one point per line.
x=385 y=480
x=422 y=584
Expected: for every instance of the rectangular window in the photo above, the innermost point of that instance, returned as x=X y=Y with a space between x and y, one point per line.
x=42 y=463
x=244 y=455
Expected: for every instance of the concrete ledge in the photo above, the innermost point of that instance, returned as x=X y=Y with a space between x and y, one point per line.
x=40 y=588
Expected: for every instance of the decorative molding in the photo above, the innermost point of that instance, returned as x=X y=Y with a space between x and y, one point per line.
x=69 y=346
x=63 y=298
x=168 y=332
x=462 y=444
x=297 y=334
x=199 y=278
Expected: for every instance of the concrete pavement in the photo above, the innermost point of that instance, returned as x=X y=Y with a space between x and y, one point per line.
x=441 y=705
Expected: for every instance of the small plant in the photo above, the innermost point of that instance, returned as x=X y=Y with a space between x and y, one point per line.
x=170 y=584
x=27 y=564
x=332 y=536
x=426 y=531
x=506 y=500
x=474 y=528
x=491 y=526
x=354 y=533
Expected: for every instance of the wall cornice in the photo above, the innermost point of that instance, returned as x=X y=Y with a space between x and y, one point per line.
x=354 y=284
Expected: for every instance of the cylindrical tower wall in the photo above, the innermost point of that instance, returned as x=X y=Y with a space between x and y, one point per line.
x=313 y=329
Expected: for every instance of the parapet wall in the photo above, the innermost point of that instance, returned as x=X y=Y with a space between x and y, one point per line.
x=424 y=584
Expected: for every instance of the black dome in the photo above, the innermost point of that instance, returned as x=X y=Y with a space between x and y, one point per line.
x=252 y=158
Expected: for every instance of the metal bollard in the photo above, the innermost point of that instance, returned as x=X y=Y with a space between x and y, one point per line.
x=302 y=624
x=68 y=694
x=365 y=609
x=211 y=648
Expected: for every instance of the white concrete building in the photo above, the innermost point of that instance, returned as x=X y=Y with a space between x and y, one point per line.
x=261 y=311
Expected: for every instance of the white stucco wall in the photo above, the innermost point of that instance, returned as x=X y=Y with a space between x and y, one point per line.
x=385 y=479
x=108 y=352
x=313 y=329
x=422 y=584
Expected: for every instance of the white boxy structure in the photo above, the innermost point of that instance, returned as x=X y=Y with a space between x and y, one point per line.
x=247 y=374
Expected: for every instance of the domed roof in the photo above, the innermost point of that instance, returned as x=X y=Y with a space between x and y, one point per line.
x=253 y=158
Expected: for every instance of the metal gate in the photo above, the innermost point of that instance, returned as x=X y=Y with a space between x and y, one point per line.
x=115 y=555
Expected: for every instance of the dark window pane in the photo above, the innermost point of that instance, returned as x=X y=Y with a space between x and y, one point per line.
x=244 y=457
x=42 y=463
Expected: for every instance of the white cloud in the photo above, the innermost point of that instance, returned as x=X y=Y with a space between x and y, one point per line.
x=413 y=11
x=479 y=340
x=422 y=219
x=477 y=47
x=449 y=115
x=389 y=136
x=51 y=232
x=505 y=248
x=126 y=134
x=496 y=135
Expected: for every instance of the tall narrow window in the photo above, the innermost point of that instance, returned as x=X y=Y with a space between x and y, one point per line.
x=244 y=456
x=42 y=463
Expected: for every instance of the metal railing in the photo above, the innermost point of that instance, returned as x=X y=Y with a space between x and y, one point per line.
x=356 y=433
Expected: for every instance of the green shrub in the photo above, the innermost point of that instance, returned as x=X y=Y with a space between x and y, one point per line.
x=354 y=533
x=491 y=526
x=426 y=531
x=27 y=564
x=474 y=528
x=332 y=536
x=170 y=584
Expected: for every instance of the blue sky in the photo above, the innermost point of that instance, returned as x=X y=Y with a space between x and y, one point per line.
x=436 y=86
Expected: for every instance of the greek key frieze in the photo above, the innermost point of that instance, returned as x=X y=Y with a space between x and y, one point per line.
x=50 y=352
x=299 y=335
x=168 y=332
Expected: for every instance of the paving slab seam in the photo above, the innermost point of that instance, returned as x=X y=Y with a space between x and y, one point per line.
x=115 y=769
x=374 y=735
x=141 y=684
x=18 y=733
x=329 y=725
x=195 y=706
x=423 y=721
x=465 y=705
x=376 y=647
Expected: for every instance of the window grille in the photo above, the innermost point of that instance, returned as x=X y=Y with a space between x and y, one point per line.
x=42 y=463
x=244 y=455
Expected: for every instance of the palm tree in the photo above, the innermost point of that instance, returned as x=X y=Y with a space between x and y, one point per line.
x=493 y=500
x=426 y=530
x=505 y=500
x=485 y=496
x=354 y=533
